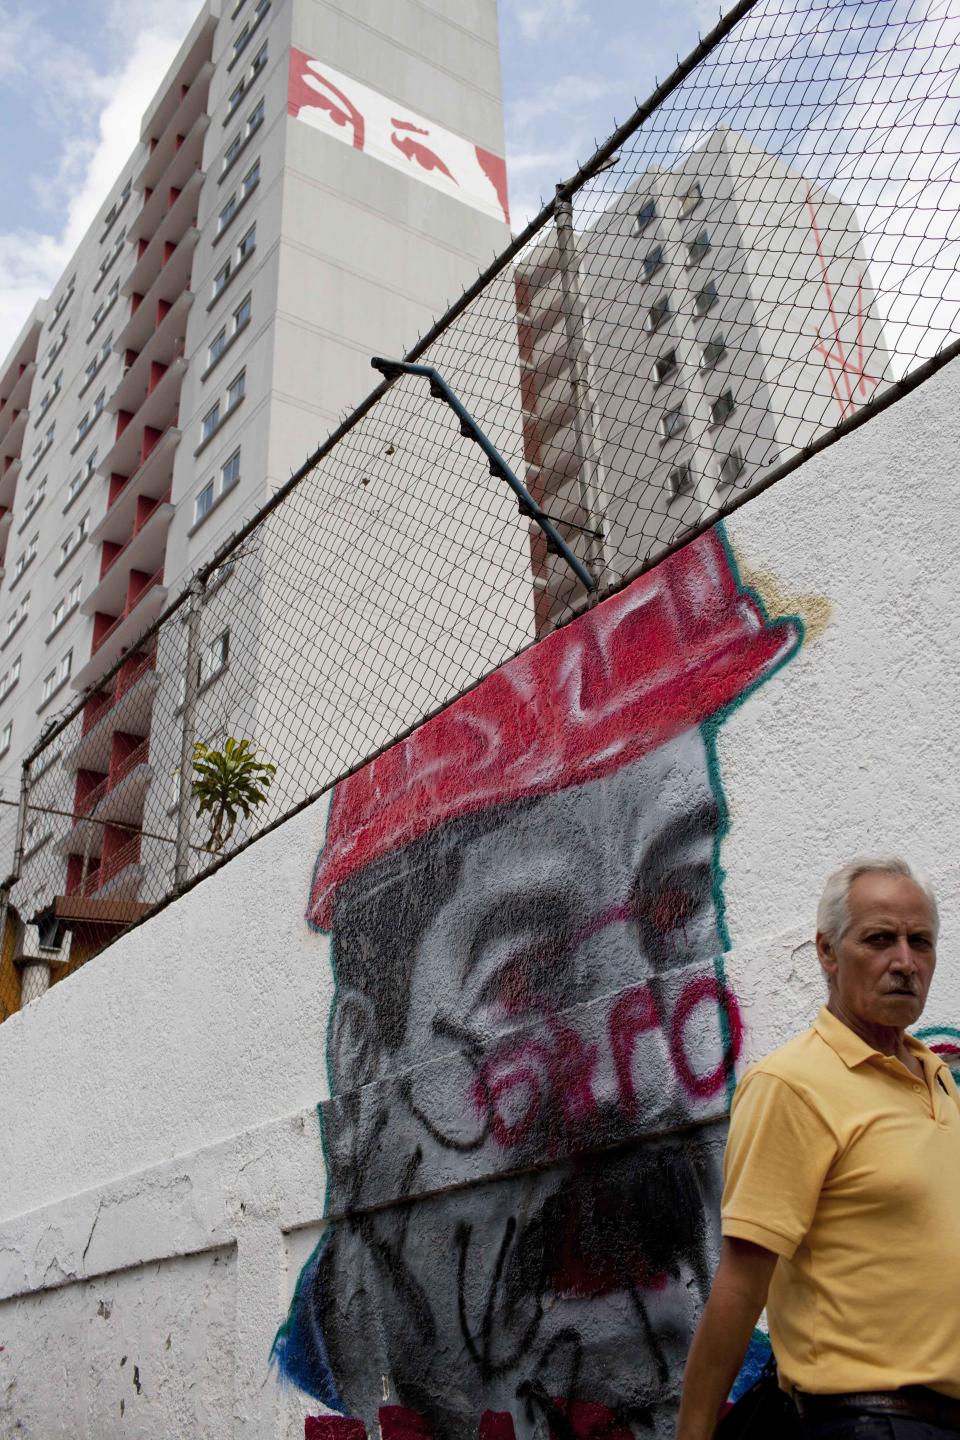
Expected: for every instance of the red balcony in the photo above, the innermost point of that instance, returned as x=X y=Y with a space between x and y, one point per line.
x=132 y=670
x=120 y=850
x=105 y=625
x=129 y=752
x=146 y=509
x=91 y=788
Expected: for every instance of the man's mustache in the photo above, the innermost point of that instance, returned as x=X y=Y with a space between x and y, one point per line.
x=903 y=987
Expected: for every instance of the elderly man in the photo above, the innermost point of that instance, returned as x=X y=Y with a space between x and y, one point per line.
x=531 y=1042
x=842 y=1178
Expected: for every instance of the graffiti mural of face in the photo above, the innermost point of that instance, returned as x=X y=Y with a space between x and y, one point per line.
x=528 y=1071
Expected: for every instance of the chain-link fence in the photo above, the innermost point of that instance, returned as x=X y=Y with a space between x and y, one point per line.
x=760 y=258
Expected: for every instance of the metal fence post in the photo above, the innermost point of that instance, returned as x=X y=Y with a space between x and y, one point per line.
x=18 y=849
x=578 y=359
x=181 y=865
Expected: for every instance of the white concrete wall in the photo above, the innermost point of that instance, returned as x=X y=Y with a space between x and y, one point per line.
x=161 y=1174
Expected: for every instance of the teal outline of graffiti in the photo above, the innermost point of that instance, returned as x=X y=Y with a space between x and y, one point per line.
x=951 y=1032
x=709 y=730
x=929 y=1031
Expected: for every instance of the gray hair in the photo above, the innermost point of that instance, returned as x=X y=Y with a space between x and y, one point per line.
x=833 y=912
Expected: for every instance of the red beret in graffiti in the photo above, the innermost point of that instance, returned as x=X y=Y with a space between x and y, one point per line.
x=663 y=655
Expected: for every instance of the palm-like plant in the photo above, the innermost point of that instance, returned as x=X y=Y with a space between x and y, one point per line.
x=226 y=784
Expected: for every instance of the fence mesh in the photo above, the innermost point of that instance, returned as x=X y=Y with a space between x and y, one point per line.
x=765 y=251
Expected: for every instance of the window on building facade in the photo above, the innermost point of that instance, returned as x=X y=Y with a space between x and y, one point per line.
x=216 y=347
x=210 y=422
x=111 y=255
x=255 y=118
x=65 y=606
x=646 y=215
x=6 y=737
x=16 y=618
x=115 y=209
x=55 y=348
x=259 y=60
x=698 y=248
x=236 y=390
x=705 y=299
x=248 y=244
x=236 y=95
x=58 y=676
x=721 y=408
x=680 y=479
x=10 y=678
x=241 y=316
x=64 y=301
x=203 y=503
x=227 y=214
x=713 y=352
x=690 y=199
x=215 y=658
x=652 y=261
x=48 y=398
x=75 y=538
x=665 y=365
x=731 y=466
x=231 y=152
x=241 y=40
x=673 y=423
x=36 y=500
x=43 y=444
x=251 y=180
x=26 y=557
x=657 y=313
x=106 y=304
x=221 y=278
x=90 y=416
x=230 y=472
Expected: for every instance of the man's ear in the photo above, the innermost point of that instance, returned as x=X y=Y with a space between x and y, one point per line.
x=826 y=954
x=353 y=1043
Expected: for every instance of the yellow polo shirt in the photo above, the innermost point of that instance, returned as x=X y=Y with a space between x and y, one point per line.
x=847 y=1166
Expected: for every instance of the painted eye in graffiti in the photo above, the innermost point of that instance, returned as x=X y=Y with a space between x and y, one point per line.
x=670 y=912
x=517 y=948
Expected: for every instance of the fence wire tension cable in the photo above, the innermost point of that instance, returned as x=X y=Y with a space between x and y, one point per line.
x=391 y=369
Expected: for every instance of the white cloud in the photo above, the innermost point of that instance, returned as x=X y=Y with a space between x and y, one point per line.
x=96 y=113
x=538 y=17
x=571 y=93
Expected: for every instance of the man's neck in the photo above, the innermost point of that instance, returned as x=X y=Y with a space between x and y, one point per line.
x=887 y=1039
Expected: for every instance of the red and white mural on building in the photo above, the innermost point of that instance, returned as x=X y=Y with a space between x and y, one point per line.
x=341 y=107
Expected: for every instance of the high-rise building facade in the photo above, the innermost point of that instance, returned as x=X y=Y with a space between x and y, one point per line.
x=713 y=319
x=312 y=182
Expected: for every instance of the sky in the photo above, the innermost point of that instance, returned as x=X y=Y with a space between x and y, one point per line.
x=862 y=94
x=75 y=76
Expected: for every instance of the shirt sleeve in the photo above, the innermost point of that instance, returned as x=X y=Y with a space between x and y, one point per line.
x=779 y=1150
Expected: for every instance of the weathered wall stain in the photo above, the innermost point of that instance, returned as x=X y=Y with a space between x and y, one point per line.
x=532 y=1042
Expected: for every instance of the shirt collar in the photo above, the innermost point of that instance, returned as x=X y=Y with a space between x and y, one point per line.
x=853 y=1051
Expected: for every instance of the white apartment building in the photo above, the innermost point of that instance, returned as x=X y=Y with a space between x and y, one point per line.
x=717 y=317
x=311 y=183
